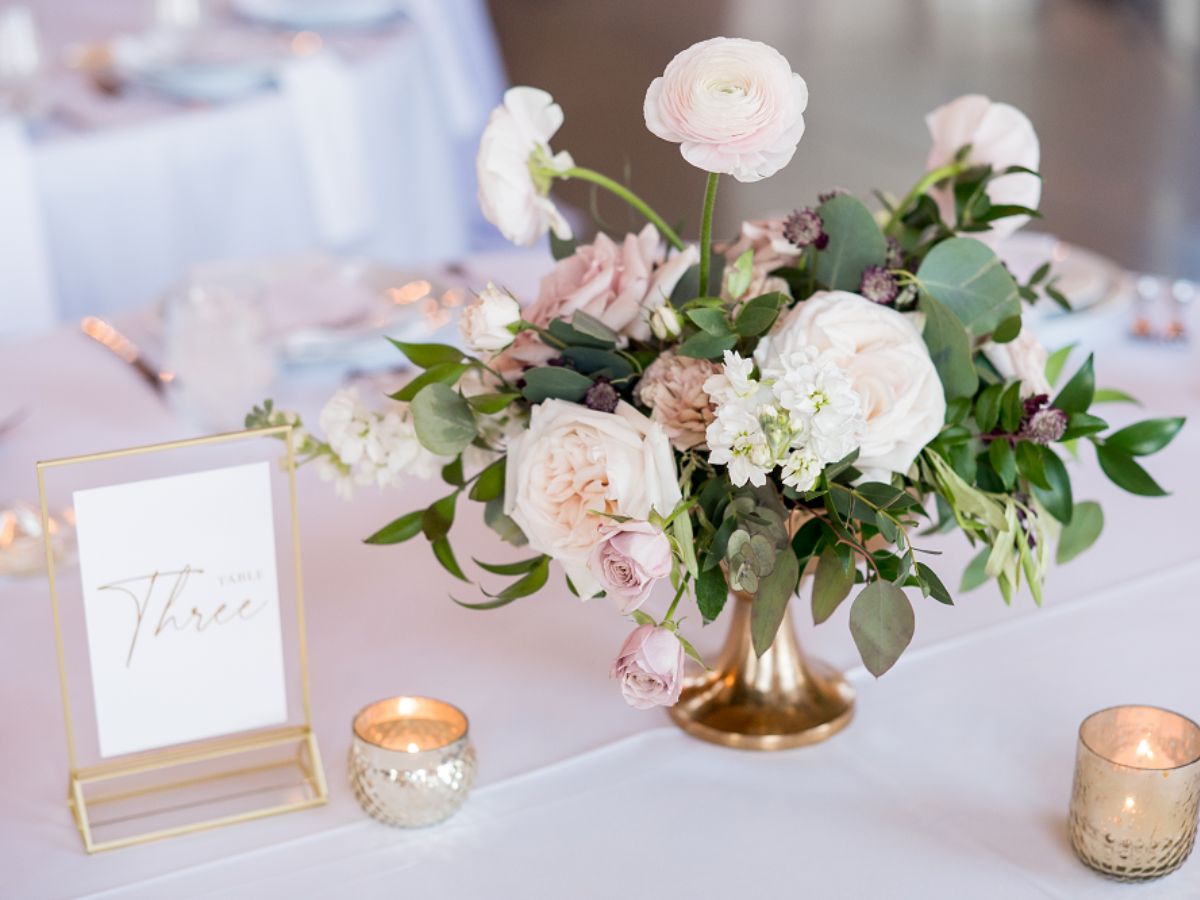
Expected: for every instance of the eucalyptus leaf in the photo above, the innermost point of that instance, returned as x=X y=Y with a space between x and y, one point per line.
x=771 y=600
x=882 y=625
x=595 y=361
x=710 y=321
x=555 y=382
x=593 y=327
x=508 y=530
x=949 y=346
x=711 y=593
x=975 y=573
x=442 y=419
x=832 y=583
x=706 y=346
x=855 y=242
x=968 y=278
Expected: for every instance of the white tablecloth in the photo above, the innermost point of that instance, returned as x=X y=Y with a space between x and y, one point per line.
x=952 y=781
x=129 y=204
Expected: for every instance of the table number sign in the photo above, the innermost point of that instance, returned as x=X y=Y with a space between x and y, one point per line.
x=181 y=637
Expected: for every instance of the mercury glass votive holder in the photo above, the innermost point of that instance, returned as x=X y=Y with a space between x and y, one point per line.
x=1137 y=785
x=411 y=760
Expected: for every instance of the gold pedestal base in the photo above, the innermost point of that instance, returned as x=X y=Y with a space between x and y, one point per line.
x=773 y=702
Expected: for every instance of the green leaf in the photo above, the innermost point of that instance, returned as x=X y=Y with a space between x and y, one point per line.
x=987 y=407
x=1076 y=395
x=1031 y=464
x=882 y=625
x=642 y=618
x=771 y=600
x=593 y=328
x=512 y=568
x=1126 y=474
x=530 y=584
x=442 y=419
x=490 y=483
x=1056 y=361
x=1012 y=408
x=398 y=531
x=975 y=573
x=439 y=517
x=1007 y=330
x=710 y=321
x=706 y=346
x=1057 y=499
x=594 y=361
x=1081 y=425
x=931 y=585
x=758 y=314
x=446 y=373
x=490 y=404
x=855 y=242
x=969 y=279
x=738 y=278
x=949 y=346
x=1144 y=438
x=681 y=530
x=445 y=555
x=561 y=248
x=502 y=525
x=425 y=356
x=1081 y=533
x=832 y=582
x=562 y=331
x=711 y=593
x=1004 y=461
x=1112 y=395
x=555 y=382
x=804 y=541
x=452 y=472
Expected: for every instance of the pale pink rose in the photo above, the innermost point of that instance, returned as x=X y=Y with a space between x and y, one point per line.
x=1000 y=135
x=734 y=106
x=628 y=560
x=771 y=251
x=650 y=666
x=573 y=462
x=673 y=388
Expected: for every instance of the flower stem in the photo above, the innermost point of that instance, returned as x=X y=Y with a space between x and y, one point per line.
x=683 y=582
x=710 y=200
x=629 y=197
x=929 y=180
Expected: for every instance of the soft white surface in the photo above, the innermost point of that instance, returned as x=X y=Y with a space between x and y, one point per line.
x=150 y=187
x=26 y=284
x=952 y=782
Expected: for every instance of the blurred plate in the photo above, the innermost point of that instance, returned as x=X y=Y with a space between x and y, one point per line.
x=1086 y=278
x=210 y=66
x=311 y=15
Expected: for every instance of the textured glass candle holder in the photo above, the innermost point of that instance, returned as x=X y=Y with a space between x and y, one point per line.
x=1137 y=784
x=411 y=761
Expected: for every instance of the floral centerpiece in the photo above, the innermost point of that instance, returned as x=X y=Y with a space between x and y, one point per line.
x=816 y=394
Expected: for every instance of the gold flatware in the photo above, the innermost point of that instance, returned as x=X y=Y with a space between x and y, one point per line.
x=108 y=337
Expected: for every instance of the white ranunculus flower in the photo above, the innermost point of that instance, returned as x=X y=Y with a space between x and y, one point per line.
x=733 y=106
x=515 y=166
x=574 y=460
x=1023 y=358
x=486 y=325
x=1000 y=135
x=887 y=362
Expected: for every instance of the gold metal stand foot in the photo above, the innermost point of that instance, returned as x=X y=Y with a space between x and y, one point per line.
x=773 y=702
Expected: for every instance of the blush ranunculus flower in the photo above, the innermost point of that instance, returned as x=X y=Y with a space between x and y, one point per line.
x=1023 y=358
x=887 y=362
x=515 y=166
x=650 y=667
x=572 y=461
x=629 y=559
x=734 y=106
x=1000 y=135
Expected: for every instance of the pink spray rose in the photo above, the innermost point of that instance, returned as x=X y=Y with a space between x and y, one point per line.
x=628 y=560
x=733 y=106
x=650 y=666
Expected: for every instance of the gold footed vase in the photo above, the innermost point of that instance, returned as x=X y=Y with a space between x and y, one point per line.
x=775 y=701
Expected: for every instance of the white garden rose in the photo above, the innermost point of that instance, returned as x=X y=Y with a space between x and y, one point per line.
x=515 y=166
x=573 y=461
x=882 y=353
x=1023 y=359
x=1000 y=135
x=486 y=325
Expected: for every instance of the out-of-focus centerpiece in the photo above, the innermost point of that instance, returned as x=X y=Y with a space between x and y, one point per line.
x=811 y=397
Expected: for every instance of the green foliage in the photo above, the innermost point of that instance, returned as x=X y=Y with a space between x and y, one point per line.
x=770 y=601
x=758 y=314
x=490 y=483
x=855 y=242
x=706 y=346
x=1085 y=526
x=1144 y=438
x=399 y=530
x=425 y=356
x=555 y=383
x=969 y=280
x=442 y=419
x=711 y=593
x=832 y=582
x=1126 y=473
x=445 y=373
x=1076 y=395
x=882 y=625
x=949 y=347
x=1057 y=497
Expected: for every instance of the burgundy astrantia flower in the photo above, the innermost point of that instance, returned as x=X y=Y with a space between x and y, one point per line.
x=830 y=194
x=601 y=396
x=1042 y=423
x=803 y=228
x=878 y=285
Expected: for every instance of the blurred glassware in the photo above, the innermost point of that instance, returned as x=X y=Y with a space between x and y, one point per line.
x=22 y=552
x=1088 y=279
x=218 y=350
x=178 y=14
x=21 y=60
x=314 y=15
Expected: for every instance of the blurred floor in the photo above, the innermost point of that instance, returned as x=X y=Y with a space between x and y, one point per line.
x=1112 y=86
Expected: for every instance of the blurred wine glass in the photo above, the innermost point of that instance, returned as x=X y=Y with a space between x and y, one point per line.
x=21 y=60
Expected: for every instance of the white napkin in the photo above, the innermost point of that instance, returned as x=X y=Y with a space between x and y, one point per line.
x=325 y=108
x=26 y=286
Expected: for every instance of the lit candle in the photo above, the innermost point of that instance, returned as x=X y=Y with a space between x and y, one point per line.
x=411 y=760
x=1137 y=783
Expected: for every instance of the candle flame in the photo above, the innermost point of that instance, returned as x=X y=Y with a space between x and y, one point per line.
x=1143 y=750
x=1128 y=804
x=411 y=292
x=413 y=748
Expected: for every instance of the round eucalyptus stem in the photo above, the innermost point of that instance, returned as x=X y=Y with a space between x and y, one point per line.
x=629 y=197
x=706 y=219
x=929 y=180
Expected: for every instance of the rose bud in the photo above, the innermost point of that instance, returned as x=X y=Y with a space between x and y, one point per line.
x=650 y=666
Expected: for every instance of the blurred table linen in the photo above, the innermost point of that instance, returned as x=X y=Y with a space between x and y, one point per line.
x=26 y=284
x=133 y=188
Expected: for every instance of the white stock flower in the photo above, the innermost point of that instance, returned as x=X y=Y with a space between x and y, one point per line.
x=486 y=324
x=1000 y=135
x=801 y=470
x=826 y=412
x=515 y=166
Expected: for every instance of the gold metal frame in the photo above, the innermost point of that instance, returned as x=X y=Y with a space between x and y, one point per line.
x=211 y=748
